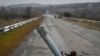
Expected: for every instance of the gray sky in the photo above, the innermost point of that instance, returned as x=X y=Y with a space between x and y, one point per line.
x=9 y=2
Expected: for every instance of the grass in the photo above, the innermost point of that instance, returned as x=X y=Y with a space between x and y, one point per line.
x=91 y=24
x=10 y=40
x=4 y=22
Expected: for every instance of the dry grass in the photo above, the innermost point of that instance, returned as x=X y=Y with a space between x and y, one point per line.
x=4 y=22
x=11 y=39
x=92 y=24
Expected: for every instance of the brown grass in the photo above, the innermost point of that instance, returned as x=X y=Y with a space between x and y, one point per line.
x=92 y=24
x=11 y=39
x=4 y=22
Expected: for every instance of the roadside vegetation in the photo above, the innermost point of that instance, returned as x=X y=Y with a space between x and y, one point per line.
x=10 y=40
x=9 y=15
x=92 y=24
x=84 y=17
x=5 y=22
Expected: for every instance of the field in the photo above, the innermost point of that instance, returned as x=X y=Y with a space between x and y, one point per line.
x=85 y=22
x=10 y=40
x=5 y=22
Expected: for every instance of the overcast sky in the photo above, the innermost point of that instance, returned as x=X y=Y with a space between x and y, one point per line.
x=9 y=2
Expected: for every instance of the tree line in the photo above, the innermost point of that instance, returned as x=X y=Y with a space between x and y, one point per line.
x=26 y=12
